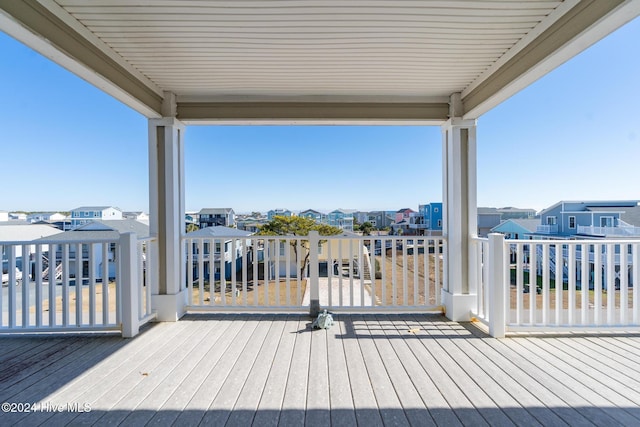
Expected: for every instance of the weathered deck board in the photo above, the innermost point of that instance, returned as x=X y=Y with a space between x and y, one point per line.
x=270 y=370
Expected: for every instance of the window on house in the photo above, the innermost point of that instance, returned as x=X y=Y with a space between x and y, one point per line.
x=282 y=248
x=606 y=221
x=439 y=223
x=435 y=209
x=551 y=220
x=217 y=247
x=572 y=222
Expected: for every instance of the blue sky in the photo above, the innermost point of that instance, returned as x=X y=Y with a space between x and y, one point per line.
x=574 y=134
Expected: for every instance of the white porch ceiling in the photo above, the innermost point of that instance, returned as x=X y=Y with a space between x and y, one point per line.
x=315 y=60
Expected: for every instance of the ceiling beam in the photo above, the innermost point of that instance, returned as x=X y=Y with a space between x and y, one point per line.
x=36 y=26
x=313 y=112
x=586 y=23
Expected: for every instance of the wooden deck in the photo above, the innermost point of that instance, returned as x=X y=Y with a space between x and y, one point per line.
x=263 y=370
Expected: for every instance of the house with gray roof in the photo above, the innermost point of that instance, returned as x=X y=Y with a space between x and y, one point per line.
x=219 y=248
x=212 y=217
x=86 y=214
x=92 y=253
x=590 y=219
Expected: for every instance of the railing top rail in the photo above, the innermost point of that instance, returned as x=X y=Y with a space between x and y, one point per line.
x=291 y=237
x=57 y=242
x=147 y=239
x=572 y=241
x=479 y=239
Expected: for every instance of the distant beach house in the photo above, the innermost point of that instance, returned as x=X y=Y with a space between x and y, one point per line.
x=278 y=212
x=26 y=233
x=589 y=219
x=92 y=254
x=317 y=216
x=137 y=215
x=86 y=214
x=219 y=248
x=217 y=217
x=341 y=218
x=45 y=216
x=517 y=228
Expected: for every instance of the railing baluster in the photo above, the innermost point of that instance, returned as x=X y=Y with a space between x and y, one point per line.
x=405 y=273
x=330 y=271
x=427 y=275
x=636 y=284
x=351 y=299
x=571 y=248
x=533 y=283
x=611 y=284
x=624 y=289
x=92 y=284
x=288 y=273
x=65 y=284
x=597 y=287
x=78 y=282
x=361 y=270
x=584 y=283
x=383 y=266
x=519 y=282
x=546 y=288
x=340 y=294
x=234 y=284
x=223 y=271
x=298 y=272
x=394 y=288
x=267 y=273
x=12 y=286
x=105 y=285
x=25 y=286
x=276 y=276
x=559 y=284
x=38 y=282
x=254 y=278
x=245 y=254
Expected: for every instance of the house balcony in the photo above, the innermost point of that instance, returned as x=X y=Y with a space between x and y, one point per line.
x=619 y=232
x=547 y=229
x=391 y=358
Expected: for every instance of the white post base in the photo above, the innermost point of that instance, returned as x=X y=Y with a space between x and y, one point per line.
x=458 y=307
x=169 y=308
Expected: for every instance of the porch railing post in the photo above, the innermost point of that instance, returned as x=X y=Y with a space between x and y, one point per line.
x=314 y=273
x=496 y=283
x=129 y=284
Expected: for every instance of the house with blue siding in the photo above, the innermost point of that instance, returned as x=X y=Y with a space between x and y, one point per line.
x=317 y=216
x=517 y=228
x=87 y=214
x=278 y=212
x=342 y=218
x=217 y=217
x=589 y=219
x=431 y=215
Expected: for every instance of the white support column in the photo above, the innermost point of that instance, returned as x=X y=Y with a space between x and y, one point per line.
x=166 y=219
x=460 y=213
x=497 y=289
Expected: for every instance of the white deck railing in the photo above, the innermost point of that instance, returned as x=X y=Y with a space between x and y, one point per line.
x=296 y=273
x=76 y=285
x=620 y=231
x=558 y=284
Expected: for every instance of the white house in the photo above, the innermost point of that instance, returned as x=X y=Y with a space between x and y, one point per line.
x=46 y=216
x=90 y=232
x=139 y=216
x=22 y=233
x=233 y=239
x=86 y=214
